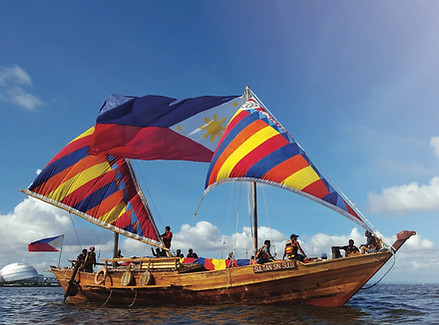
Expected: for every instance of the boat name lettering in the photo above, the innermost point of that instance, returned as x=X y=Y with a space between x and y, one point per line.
x=284 y=265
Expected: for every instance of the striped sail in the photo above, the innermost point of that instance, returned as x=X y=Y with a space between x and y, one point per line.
x=101 y=189
x=255 y=147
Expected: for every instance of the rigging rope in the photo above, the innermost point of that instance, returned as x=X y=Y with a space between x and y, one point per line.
x=394 y=261
x=76 y=233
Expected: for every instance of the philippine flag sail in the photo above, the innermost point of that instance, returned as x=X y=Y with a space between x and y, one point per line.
x=158 y=127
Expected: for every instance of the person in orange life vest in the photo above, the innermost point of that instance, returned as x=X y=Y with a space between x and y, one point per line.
x=372 y=245
x=292 y=247
x=263 y=255
x=167 y=237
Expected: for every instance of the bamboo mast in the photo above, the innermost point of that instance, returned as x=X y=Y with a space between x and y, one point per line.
x=254 y=194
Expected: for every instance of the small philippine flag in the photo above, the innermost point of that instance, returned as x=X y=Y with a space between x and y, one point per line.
x=50 y=244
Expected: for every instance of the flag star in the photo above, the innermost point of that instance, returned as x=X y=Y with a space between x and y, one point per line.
x=235 y=104
x=179 y=128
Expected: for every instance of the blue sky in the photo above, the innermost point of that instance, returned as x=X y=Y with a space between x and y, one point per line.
x=353 y=82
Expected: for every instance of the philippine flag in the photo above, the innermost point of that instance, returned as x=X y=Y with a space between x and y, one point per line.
x=50 y=244
x=158 y=127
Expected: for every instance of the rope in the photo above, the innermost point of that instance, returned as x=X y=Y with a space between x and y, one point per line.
x=76 y=233
x=394 y=261
x=135 y=297
x=111 y=291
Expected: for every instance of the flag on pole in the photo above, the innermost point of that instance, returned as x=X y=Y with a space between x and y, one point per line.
x=51 y=244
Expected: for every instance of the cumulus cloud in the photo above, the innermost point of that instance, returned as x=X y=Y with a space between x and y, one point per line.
x=434 y=143
x=12 y=80
x=32 y=220
x=410 y=197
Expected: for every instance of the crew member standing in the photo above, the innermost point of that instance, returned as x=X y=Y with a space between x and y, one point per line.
x=167 y=237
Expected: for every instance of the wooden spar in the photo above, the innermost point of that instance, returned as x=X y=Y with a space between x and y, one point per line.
x=255 y=201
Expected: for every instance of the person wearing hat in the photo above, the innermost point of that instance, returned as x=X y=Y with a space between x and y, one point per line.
x=292 y=247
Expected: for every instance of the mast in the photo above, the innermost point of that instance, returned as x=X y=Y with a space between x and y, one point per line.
x=255 y=219
x=254 y=193
x=116 y=244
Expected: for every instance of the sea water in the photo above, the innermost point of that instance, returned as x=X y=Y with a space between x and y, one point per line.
x=381 y=304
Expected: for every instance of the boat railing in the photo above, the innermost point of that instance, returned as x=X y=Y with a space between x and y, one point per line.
x=146 y=263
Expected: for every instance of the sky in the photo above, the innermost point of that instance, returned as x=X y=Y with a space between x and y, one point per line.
x=355 y=83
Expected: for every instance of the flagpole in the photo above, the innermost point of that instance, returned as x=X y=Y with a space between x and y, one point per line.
x=60 y=251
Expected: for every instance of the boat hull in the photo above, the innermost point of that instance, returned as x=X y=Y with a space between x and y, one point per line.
x=323 y=283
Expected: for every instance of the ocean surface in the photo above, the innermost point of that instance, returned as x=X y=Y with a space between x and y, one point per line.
x=381 y=304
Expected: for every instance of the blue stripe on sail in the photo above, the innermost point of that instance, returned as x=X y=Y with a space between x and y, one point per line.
x=58 y=166
x=260 y=168
x=95 y=198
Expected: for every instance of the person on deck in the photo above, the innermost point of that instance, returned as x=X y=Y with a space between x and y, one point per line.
x=158 y=252
x=263 y=255
x=167 y=237
x=191 y=253
x=372 y=245
x=90 y=260
x=178 y=253
x=81 y=259
x=292 y=247
x=350 y=249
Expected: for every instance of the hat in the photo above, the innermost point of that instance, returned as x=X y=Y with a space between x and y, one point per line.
x=294 y=235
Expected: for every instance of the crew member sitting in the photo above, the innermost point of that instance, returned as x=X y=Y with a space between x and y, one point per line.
x=191 y=253
x=350 y=249
x=292 y=247
x=373 y=244
x=263 y=255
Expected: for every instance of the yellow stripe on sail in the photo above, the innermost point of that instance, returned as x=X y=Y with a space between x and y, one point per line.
x=248 y=146
x=77 y=180
x=86 y=133
x=302 y=178
x=114 y=213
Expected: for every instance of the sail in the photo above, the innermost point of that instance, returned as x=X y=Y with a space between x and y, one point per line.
x=255 y=147
x=158 y=127
x=101 y=189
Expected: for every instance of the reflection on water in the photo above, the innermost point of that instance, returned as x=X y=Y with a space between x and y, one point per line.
x=382 y=304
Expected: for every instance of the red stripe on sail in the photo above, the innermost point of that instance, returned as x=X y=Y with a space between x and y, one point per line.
x=240 y=116
x=235 y=144
x=317 y=189
x=260 y=152
x=285 y=169
x=72 y=147
x=88 y=188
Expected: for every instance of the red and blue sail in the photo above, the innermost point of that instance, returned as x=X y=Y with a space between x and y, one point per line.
x=255 y=147
x=99 y=188
x=158 y=127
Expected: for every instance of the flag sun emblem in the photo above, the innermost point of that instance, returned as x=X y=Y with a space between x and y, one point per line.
x=213 y=127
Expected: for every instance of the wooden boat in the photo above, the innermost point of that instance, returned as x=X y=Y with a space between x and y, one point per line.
x=163 y=281
x=101 y=187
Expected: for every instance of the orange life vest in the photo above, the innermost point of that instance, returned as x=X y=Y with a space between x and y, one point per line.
x=289 y=247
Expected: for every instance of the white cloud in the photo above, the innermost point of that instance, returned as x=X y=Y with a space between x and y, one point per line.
x=11 y=81
x=32 y=220
x=14 y=75
x=411 y=197
x=434 y=142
